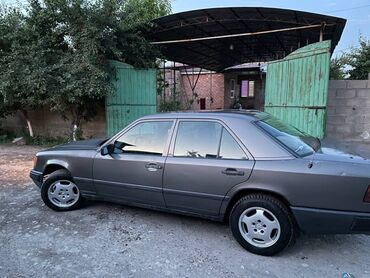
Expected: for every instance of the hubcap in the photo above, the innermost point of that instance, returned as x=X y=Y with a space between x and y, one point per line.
x=63 y=193
x=259 y=227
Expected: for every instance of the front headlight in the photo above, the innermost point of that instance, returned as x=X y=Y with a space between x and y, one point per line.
x=34 y=160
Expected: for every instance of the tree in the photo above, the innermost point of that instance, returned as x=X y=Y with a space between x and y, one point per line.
x=23 y=75
x=337 y=67
x=141 y=12
x=60 y=55
x=359 y=60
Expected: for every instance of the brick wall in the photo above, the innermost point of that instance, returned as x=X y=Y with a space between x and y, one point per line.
x=210 y=86
x=349 y=110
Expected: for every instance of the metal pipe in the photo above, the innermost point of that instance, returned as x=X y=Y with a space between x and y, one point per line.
x=241 y=34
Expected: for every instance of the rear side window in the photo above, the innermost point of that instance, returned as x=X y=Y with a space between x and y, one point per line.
x=198 y=139
x=146 y=138
x=206 y=140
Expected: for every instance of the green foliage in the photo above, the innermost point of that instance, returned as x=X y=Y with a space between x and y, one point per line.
x=24 y=72
x=354 y=65
x=166 y=106
x=359 y=60
x=56 y=53
x=337 y=67
x=140 y=12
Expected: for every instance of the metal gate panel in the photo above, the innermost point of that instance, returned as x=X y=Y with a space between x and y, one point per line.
x=297 y=87
x=134 y=97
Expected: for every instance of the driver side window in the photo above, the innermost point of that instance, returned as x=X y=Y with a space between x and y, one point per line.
x=146 y=138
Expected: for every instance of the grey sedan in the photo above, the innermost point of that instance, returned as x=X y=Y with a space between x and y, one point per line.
x=268 y=179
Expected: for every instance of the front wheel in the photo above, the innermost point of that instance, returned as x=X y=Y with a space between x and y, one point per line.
x=59 y=192
x=261 y=224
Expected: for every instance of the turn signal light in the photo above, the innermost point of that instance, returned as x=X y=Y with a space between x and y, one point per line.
x=367 y=195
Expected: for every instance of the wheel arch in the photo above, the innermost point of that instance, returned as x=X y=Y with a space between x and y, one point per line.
x=54 y=165
x=246 y=191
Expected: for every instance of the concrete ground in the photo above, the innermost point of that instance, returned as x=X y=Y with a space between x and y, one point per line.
x=110 y=240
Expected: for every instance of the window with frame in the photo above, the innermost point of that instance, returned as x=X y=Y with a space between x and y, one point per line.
x=247 y=88
x=146 y=138
x=206 y=139
x=232 y=88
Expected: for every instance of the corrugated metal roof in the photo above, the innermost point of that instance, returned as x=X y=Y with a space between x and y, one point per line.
x=218 y=54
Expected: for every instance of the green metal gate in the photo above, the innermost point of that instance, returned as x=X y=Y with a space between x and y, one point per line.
x=135 y=96
x=297 y=87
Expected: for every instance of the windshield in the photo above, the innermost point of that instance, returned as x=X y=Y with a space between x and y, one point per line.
x=300 y=143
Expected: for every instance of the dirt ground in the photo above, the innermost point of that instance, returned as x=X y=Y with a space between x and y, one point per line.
x=109 y=240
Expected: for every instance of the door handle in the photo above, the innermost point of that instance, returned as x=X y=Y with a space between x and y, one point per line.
x=151 y=166
x=232 y=172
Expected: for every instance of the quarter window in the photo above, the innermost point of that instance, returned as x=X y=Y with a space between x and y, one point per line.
x=146 y=138
x=229 y=148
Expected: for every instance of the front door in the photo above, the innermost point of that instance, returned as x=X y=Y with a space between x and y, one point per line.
x=297 y=88
x=134 y=173
x=204 y=163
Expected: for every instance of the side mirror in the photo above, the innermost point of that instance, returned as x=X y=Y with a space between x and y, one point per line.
x=108 y=149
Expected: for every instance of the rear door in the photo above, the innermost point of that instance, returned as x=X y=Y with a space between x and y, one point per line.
x=297 y=88
x=205 y=160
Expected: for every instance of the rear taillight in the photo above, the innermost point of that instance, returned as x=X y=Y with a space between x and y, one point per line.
x=367 y=195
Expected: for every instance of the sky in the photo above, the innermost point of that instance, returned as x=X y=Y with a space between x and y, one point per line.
x=357 y=13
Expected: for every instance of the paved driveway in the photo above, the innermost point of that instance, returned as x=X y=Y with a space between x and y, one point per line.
x=118 y=241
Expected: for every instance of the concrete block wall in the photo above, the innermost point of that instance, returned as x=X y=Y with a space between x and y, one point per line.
x=349 y=111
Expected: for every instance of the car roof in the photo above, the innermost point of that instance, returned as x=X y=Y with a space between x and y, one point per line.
x=250 y=115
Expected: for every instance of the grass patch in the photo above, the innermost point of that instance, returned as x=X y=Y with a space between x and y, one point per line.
x=45 y=141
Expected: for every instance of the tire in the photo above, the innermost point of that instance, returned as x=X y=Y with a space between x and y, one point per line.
x=60 y=193
x=261 y=224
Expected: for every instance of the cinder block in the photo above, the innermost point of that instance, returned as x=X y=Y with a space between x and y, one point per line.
x=337 y=84
x=332 y=92
x=343 y=129
x=357 y=119
x=365 y=93
x=362 y=127
x=364 y=103
x=356 y=84
x=331 y=111
x=344 y=111
x=354 y=102
x=330 y=129
x=345 y=93
x=336 y=120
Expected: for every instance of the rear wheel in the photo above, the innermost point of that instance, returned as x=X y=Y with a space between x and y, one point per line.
x=261 y=224
x=59 y=192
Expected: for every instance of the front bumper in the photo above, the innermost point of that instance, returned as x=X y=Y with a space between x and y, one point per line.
x=322 y=221
x=36 y=176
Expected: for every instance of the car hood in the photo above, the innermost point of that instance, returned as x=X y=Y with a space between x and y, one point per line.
x=90 y=144
x=330 y=154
